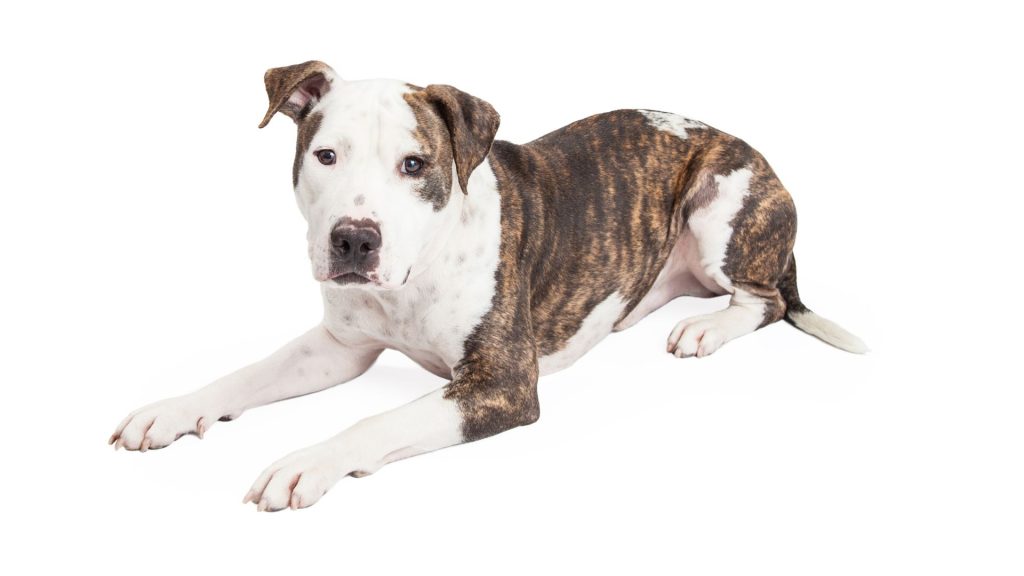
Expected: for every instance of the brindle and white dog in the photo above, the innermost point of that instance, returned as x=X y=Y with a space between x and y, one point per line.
x=490 y=263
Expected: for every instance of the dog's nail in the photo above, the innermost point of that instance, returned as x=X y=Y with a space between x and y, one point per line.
x=145 y=444
x=119 y=444
x=200 y=428
x=262 y=506
x=294 y=502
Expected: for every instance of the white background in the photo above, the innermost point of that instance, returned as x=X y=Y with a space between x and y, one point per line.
x=150 y=243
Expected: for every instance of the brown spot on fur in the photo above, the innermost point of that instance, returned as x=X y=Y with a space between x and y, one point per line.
x=435 y=182
x=451 y=126
x=359 y=200
x=308 y=127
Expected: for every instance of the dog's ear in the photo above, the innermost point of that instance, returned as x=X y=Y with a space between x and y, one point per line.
x=472 y=124
x=293 y=90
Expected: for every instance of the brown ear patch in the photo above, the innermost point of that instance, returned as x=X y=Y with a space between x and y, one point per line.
x=290 y=89
x=472 y=124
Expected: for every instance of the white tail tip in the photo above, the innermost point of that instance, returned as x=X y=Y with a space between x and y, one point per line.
x=828 y=331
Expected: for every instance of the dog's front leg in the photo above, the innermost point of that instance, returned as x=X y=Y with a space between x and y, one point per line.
x=482 y=400
x=310 y=363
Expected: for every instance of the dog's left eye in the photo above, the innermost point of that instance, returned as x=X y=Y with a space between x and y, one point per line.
x=412 y=165
x=326 y=157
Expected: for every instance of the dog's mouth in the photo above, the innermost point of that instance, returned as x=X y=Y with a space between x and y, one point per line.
x=349 y=278
x=370 y=279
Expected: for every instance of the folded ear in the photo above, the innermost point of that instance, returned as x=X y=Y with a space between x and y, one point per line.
x=472 y=124
x=293 y=90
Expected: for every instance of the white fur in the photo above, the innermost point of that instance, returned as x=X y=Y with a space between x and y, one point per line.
x=828 y=331
x=301 y=478
x=594 y=328
x=711 y=224
x=703 y=335
x=673 y=123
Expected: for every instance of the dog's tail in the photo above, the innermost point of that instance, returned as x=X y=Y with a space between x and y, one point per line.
x=800 y=316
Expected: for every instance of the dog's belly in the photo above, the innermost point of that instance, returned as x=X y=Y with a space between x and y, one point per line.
x=682 y=275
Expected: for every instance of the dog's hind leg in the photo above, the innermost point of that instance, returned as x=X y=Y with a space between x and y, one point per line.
x=741 y=226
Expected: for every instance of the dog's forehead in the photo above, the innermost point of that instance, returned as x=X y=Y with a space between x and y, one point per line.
x=368 y=105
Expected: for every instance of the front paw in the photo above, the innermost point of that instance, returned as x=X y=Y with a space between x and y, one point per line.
x=161 y=423
x=301 y=478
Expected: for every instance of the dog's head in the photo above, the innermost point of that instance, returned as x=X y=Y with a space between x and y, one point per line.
x=380 y=168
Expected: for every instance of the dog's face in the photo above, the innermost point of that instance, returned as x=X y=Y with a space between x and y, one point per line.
x=380 y=169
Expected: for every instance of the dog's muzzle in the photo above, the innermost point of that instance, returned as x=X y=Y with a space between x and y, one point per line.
x=355 y=250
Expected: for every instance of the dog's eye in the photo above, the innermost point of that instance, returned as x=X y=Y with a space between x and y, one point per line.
x=326 y=157
x=412 y=165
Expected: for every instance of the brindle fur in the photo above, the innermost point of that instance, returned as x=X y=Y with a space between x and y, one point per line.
x=282 y=82
x=590 y=210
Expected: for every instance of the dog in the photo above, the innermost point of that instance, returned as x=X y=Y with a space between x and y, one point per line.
x=491 y=264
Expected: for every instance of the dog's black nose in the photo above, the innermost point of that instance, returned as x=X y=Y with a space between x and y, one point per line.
x=355 y=242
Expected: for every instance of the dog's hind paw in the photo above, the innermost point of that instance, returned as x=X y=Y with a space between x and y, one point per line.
x=698 y=336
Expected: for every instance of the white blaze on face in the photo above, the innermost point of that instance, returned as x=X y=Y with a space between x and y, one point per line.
x=370 y=127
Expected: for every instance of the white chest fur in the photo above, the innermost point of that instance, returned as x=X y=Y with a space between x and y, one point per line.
x=430 y=317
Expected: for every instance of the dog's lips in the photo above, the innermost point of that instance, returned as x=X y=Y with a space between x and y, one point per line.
x=349 y=278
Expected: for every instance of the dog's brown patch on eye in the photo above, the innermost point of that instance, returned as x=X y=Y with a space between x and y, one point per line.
x=434 y=182
x=308 y=127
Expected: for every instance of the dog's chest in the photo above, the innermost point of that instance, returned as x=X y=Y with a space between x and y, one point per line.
x=430 y=318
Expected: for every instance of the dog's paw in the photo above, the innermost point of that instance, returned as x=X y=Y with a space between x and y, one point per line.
x=300 y=479
x=697 y=336
x=161 y=423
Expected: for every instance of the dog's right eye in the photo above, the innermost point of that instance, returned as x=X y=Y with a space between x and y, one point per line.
x=326 y=157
